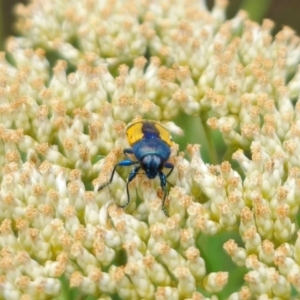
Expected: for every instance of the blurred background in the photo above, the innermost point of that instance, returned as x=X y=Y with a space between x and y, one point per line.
x=282 y=12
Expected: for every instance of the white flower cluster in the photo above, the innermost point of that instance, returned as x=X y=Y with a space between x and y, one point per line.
x=55 y=126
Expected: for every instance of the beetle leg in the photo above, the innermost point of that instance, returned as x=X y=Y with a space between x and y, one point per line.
x=131 y=176
x=163 y=184
x=123 y=163
x=127 y=151
x=169 y=166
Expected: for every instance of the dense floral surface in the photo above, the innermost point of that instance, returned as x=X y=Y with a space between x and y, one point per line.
x=62 y=132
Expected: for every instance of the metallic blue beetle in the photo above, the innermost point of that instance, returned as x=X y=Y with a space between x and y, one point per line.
x=150 y=143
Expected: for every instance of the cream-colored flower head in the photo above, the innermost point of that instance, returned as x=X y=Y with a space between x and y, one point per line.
x=62 y=132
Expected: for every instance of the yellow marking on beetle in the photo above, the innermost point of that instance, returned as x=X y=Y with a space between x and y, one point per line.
x=134 y=132
x=164 y=134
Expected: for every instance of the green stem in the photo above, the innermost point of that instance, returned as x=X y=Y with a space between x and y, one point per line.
x=256 y=9
x=228 y=154
x=210 y=142
x=1 y=27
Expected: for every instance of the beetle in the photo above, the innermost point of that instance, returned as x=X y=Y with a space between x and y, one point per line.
x=150 y=143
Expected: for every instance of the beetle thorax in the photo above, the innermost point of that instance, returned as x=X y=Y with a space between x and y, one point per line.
x=152 y=164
